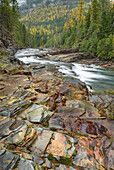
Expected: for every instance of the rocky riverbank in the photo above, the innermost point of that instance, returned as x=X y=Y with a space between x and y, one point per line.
x=47 y=122
x=73 y=55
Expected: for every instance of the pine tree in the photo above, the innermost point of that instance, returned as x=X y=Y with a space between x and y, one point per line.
x=95 y=11
x=10 y=26
x=105 y=18
x=87 y=19
x=5 y=17
x=14 y=5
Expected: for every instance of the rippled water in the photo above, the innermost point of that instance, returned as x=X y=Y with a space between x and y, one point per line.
x=99 y=78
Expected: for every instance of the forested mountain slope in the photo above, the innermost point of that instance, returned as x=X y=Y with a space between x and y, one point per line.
x=45 y=18
x=92 y=31
x=88 y=26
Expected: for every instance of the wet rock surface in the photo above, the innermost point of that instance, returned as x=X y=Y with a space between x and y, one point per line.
x=49 y=123
x=72 y=57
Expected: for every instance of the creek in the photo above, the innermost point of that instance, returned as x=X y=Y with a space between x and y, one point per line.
x=99 y=78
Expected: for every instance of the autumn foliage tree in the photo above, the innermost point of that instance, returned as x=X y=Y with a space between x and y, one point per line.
x=80 y=12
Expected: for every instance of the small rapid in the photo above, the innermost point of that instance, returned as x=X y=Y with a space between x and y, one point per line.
x=99 y=78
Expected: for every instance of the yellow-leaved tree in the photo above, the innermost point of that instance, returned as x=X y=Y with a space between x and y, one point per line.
x=80 y=11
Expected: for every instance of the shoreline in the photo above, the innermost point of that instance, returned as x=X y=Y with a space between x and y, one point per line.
x=105 y=64
x=80 y=57
x=47 y=122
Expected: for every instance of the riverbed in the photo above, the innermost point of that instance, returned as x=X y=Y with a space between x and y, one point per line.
x=97 y=78
x=48 y=117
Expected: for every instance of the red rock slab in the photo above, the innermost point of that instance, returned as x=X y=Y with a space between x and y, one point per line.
x=59 y=145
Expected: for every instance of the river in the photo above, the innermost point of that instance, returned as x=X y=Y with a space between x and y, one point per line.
x=99 y=78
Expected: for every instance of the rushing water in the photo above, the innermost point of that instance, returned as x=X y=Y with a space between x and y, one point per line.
x=99 y=78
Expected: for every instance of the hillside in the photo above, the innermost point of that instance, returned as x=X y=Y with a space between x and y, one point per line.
x=78 y=24
x=45 y=18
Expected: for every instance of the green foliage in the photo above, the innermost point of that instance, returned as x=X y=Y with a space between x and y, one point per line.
x=85 y=45
x=95 y=11
x=6 y=16
x=14 y=6
x=95 y=34
x=58 y=23
x=10 y=26
x=75 y=153
x=50 y=43
x=47 y=20
x=105 y=48
x=66 y=161
x=50 y=157
x=87 y=20
x=93 y=40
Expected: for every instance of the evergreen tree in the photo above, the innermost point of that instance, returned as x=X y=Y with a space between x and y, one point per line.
x=10 y=26
x=5 y=17
x=95 y=11
x=14 y=5
x=87 y=20
x=98 y=29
